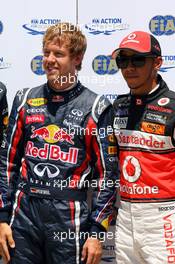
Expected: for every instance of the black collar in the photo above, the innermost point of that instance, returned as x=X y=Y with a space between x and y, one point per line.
x=63 y=96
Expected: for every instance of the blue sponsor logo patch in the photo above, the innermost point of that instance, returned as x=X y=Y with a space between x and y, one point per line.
x=4 y=64
x=37 y=65
x=103 y=64
x=162 y=25
x=39 y=26
x=168 y=63
x=111 y=97
x=105 y=26
x=1 y=27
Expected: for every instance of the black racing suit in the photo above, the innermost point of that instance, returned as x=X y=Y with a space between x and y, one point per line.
x=145 y=129
x=56 y=143
x=3 y=110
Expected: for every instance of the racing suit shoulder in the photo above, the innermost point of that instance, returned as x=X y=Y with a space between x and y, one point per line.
x=24 y=94
x=121 y=100
x=170 y=94
x=100 y=104
x=86 y=100
x=87 y=96
x=3 y=90
x=20 y=98
x=36 y=90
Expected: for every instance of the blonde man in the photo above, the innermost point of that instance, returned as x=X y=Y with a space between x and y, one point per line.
x=50 y=157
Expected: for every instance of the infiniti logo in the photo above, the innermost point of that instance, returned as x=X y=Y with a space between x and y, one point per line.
x=46 y=169
x=77 y=112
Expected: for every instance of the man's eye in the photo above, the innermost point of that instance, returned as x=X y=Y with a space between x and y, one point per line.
x=46 y=54
x=58 y=55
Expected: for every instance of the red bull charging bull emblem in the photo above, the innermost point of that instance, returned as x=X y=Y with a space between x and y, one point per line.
x=53 y=134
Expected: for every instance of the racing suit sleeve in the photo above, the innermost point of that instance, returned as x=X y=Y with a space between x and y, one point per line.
x=11 y=154
x=105 y=166
x=3 y=110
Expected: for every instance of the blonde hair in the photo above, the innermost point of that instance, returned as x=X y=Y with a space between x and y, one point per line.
x=69 y=35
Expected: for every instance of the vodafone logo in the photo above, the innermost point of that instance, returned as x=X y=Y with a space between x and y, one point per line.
x=163 y=101
x=132 y=36
x=131 y=169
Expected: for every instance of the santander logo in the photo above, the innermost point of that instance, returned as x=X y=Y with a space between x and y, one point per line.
x=138 y=139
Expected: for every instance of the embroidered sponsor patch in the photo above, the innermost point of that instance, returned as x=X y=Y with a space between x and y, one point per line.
x=157 y=118
x=34 y=119
x=37 y=101
x=153 y=128
x=163 y=101
x=120 y=122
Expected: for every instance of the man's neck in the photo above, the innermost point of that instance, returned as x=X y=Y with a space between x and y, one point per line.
x=66 y=87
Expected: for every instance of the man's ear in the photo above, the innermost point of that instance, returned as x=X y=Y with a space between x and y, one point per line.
x=78 y=59
x=158 y=62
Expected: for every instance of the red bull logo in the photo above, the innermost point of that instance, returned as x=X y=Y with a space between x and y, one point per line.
x=61 y=135
x=42 y=132
x=52 y=152
x=53 y=134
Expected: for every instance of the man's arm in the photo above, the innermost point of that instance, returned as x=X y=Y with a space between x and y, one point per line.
x=105 y=163
x=3 y=110
x=11 y=154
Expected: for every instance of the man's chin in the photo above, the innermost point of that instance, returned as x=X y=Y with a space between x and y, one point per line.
x=132 y=87
x=53 y=78
x=53 y=82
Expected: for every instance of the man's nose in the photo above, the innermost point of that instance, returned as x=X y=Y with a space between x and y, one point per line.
x=130 y=64
x=51 y=57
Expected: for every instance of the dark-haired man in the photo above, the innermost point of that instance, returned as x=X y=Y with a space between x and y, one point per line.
x=144 y=125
